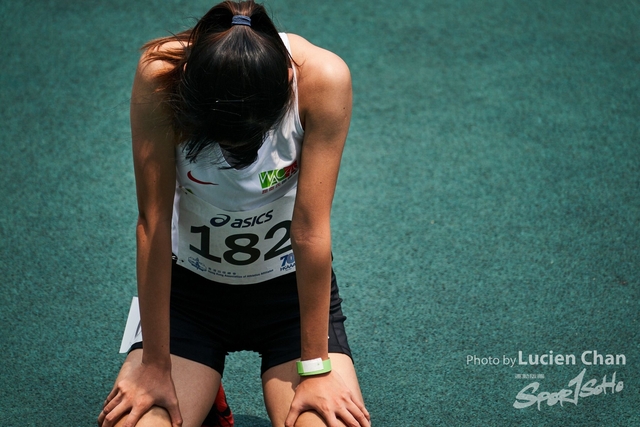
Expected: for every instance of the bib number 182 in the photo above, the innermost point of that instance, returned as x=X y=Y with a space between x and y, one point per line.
x=241 y=248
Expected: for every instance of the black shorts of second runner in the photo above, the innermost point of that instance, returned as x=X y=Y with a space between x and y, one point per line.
x=210 y=320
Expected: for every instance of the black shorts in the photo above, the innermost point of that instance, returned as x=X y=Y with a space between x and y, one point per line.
x=209 y=319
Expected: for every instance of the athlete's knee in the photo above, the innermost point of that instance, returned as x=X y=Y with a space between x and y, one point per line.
x=155 y=417
x=312 y=419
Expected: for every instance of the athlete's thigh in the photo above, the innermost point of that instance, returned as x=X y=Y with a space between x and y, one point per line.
x=196 y=387
x=279 y=384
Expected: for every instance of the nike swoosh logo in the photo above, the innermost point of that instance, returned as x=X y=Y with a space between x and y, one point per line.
x=197 y=181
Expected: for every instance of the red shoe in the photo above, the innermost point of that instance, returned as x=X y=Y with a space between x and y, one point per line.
x=220 y=414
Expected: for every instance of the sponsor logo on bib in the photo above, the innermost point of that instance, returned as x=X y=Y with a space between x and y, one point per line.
x=221 y=220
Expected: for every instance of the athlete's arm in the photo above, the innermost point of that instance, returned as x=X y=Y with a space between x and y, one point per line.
x=154 y=165
x=324 y=84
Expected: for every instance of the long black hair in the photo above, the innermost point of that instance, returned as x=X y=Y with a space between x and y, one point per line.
x=229 y=84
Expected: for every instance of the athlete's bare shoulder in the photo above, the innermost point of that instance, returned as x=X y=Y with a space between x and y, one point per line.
x=321 y=74
x=150 y=65
x=150 y=114
x=318 y=62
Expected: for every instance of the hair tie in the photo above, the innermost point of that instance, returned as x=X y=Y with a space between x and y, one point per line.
x=241 y=20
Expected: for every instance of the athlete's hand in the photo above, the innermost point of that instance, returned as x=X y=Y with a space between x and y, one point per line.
x=328 y=395
x=138 y=389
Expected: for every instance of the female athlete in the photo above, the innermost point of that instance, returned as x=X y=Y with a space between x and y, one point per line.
x=237 y=133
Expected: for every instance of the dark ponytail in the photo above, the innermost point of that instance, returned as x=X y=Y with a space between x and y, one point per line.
x=229 y=84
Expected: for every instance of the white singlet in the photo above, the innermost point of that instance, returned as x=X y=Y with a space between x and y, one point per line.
x=232 y=225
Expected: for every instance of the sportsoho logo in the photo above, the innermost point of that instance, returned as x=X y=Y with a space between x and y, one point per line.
x=272 y=179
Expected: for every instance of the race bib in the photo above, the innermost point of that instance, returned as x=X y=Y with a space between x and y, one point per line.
x=237 y=248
